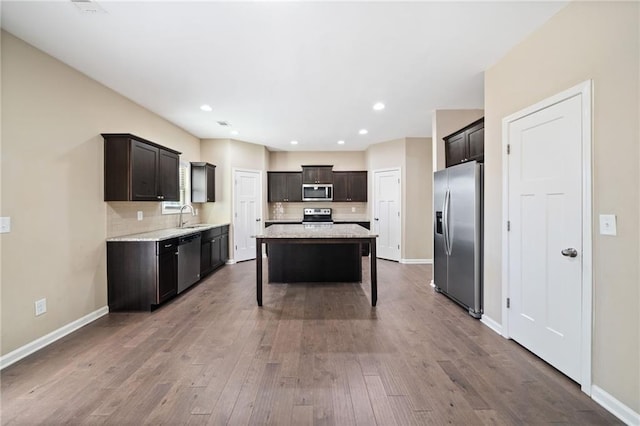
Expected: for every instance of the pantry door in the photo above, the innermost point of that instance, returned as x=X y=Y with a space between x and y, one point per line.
x=546 y=190
x=247 y=217
x=386 y=213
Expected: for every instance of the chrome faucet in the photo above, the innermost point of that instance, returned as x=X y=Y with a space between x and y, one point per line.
x=180 y=222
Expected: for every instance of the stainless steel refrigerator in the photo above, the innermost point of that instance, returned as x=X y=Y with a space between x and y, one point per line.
x=457 y=251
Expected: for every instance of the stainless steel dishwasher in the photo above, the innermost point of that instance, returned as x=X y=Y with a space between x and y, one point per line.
x=188 y=261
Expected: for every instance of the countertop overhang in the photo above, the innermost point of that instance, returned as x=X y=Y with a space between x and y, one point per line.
x=165 y=234
x=323 y=231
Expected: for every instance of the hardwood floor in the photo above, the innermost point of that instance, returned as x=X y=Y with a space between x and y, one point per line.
x=315 y=354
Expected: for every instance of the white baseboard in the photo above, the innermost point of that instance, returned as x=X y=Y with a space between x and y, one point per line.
x=614 y=406
x=491 y=323
x=230 y=262
x=26 y=350
x=432 y=284
x=417 y=261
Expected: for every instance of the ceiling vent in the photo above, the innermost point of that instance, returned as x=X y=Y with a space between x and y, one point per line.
x=88 y=6
x=224 y=123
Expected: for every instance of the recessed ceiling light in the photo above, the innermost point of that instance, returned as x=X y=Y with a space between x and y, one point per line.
x=379 y=106
x=294 y=142
x=206 y=108
x=234 y=132
x=363 y=131
x=340 y=142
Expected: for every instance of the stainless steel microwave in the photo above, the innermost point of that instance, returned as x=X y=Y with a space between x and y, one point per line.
x=317 y=192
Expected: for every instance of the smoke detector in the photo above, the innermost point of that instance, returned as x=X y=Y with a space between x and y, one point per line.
x=88 y=6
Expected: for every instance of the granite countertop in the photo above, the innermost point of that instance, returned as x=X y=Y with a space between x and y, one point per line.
x=300 y=220
x=165 y=234
x=316 y=231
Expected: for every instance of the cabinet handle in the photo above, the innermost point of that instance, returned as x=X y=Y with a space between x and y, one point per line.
x=167 y=245
x=160 y=197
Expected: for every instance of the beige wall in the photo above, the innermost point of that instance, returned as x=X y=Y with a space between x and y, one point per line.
x=598 y=41
x=412 y=157
x=284 y=161
x=446 y=122
x=228 y=155
x=419 y=194
x=52 y=187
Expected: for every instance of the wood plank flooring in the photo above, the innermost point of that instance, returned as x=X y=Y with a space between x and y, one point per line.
x=314 y=354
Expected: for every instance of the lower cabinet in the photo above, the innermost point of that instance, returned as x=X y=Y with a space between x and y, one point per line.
x=215 y=249
x=141 y=274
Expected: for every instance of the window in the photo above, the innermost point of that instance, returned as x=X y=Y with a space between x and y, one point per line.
x=173 y=207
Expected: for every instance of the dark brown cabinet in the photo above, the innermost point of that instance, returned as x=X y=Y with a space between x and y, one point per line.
x=466 y=144
x=317 y=174
x=203 y=183
x=136 y=169
x=284 y=186
x=214 y=250
x=141 y=274
x=350 y=186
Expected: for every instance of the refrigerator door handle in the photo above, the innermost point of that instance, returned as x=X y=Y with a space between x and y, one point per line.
x=445 y=219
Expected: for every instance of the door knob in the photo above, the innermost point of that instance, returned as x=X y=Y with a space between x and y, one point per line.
x=376 y=218
x=570 y=252
x=258 y=220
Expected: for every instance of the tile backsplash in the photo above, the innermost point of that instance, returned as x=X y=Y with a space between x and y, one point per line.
x=340 y=211
x=122 y=218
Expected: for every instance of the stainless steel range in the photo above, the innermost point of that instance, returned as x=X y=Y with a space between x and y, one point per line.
x=317 y=216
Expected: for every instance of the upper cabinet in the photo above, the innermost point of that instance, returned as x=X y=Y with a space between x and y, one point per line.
x=317 y=174
x=350 y=186
x=203 y=183
x=136 y=169
x=284 y=186
x=465 y=145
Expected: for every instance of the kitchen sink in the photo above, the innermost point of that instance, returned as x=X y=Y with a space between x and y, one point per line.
x=195 y=226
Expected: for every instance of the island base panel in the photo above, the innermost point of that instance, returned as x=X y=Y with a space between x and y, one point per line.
x=289 y=263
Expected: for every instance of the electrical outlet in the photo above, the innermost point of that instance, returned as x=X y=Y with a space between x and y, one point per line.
x=196 y=212
x=41 y=306
x=353 y=209
x=140 y=215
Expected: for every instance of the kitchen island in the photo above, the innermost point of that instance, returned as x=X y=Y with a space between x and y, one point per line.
x=315 y=253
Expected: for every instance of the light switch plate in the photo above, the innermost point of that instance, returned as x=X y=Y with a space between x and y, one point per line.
x=608 y=224
x=140 y=215
x=5 y=225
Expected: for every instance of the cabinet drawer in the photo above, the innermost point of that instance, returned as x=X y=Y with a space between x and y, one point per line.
x=165 y=246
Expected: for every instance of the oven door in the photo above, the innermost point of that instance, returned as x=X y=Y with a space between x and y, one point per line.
x=317 y=192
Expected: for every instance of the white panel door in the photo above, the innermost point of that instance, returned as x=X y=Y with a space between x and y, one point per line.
x=386 y=214
x=247 y=218
x=545 y=240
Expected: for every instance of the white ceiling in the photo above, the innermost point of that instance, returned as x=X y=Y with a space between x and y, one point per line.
x=282 y=71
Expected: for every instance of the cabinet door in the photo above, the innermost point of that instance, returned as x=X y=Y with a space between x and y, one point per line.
x=309 y=175
x=455 y=149
x=357 y=186
x=224 y=248
x=216 y=252
x=169 y=176
x=167 y=275
x=211 y=182
x=144 y=172
x=277 y=186
x=475 y=142
x=294 y=187
x=340 y=186
x=325 y=175
x=205 y=257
